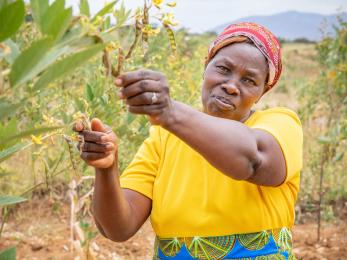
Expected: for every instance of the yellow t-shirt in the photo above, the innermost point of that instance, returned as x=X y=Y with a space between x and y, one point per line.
x=192 y=198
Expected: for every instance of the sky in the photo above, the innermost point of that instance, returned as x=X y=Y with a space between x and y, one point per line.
x=203 y=15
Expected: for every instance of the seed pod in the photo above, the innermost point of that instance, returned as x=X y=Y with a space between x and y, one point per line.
x=138 y=30
x=120 y=61
x=73 y=160
x=171 y=35
x=145 y=22
x=107 y=63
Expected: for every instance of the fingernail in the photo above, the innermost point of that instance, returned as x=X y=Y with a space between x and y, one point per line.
x=120 y=94
x=118 y=81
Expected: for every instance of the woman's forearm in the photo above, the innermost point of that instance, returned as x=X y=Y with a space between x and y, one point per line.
x=111 y=210
x=228 y=145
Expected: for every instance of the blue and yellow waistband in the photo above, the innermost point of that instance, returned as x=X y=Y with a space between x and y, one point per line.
x=267 y=244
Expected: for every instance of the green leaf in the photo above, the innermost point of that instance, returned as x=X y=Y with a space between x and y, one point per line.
x=10 y=58
x=25 y=66
x=7 y=130
x=130 y=118
x=7 y=109
x=121 y=15
x=73 y=35
x=56 y=19
x=3 y=3
x=344 y=132
x=67 y=65
x=4 y=154
x=11 y=18
x=107 y=23
x=39 y=8
x=50 y=57
x=10 y=200
x=8 y=254
x=324 y=140
x=84 y=8
x=105 y=10
x=69 y=44
x=89 y=92
x=34 y=131
x=339 y=157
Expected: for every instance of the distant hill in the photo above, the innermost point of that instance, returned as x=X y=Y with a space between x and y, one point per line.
x=293 y=25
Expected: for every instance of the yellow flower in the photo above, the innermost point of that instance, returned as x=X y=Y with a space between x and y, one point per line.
x=36 y=139
x=172 y=4
x=112 y=46
x=168 y=19
x=331 y=74
x=157 y=3
x=150 y=31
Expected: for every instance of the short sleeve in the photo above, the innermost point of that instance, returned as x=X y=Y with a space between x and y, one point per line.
x=286 y=127
x=141 y=172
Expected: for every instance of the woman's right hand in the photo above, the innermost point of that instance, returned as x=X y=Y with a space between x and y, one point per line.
x=99 y=146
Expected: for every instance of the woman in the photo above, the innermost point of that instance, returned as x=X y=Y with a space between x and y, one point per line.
x=217 y=184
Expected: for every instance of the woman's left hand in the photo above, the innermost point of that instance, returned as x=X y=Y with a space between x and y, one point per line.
x=146 y=92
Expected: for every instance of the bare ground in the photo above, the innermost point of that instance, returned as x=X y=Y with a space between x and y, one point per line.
x=40 y=230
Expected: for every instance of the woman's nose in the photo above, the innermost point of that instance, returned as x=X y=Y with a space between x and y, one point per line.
x=230 y=88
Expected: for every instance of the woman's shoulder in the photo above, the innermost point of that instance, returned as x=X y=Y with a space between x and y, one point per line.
x=277 y=112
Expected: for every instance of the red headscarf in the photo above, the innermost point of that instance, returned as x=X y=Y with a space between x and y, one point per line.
x=262 y=38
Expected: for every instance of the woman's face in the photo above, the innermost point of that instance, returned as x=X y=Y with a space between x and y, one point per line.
x=234 y=81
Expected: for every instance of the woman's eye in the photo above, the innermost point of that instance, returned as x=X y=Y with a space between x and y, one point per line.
x=223 y=68
x=250 y=81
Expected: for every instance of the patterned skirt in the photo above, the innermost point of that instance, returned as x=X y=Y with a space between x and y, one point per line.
x=264 y=245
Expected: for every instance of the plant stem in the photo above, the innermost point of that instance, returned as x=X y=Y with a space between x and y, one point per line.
x=5 y=213
x=321 y=174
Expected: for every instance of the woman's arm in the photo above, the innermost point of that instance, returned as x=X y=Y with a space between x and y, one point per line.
x=230 y=146
x=118 y=212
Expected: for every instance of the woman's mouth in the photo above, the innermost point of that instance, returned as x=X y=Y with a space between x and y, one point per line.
x=223 y=103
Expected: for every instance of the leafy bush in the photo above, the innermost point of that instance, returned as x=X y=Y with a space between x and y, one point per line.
x=324 y=113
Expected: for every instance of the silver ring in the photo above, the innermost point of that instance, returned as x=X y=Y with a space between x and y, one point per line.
x=154 y=98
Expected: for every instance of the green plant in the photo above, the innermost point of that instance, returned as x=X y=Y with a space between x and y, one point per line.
x=38 y=55
x=5 y=202
x=8 y=254
x=326 y=107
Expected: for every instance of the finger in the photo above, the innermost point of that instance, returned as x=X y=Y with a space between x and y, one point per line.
x=78 y=126
x=90 y=156
x=129 y=78
x=140 y=87
x=97 y=148
x=148 y=110
x=94 y=136
x=146 y=98
x=97 y=125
